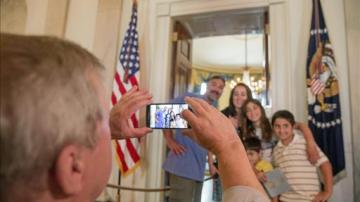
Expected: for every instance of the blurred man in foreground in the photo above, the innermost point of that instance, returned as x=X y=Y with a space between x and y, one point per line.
x=54 y=124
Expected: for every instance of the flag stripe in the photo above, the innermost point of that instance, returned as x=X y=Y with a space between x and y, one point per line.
x=119 y=152
x=134 y=121
x=133 y=81
x=120 y=84
x=132 y=151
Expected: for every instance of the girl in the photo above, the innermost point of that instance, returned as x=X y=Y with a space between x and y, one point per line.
x=257 y=124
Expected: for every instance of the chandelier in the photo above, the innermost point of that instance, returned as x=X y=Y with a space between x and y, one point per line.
x=256 y=81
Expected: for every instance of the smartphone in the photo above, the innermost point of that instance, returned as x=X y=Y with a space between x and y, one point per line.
x=166 y=116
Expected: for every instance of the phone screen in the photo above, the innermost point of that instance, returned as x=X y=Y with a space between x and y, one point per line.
x=161 y=116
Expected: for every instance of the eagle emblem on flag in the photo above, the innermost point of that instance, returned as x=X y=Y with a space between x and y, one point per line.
x=323 y=82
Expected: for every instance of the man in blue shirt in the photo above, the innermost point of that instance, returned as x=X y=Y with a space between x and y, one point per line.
x=186 y=160
x=159 y=118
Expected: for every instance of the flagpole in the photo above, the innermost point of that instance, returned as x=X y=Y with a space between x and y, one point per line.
x=118 y=191
x=128 y=66
x=317 y=34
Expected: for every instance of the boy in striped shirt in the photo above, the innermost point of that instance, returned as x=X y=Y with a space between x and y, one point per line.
x=290 y=156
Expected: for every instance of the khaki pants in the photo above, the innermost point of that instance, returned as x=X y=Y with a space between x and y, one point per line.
x=184 y=190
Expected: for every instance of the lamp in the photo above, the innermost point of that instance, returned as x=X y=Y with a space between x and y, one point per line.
x=256 y=81
x=246 y=73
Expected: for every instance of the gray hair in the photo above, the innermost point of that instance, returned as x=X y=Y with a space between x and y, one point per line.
x=47 y=101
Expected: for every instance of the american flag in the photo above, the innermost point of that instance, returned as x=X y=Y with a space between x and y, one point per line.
x=317 y=86
x=126 y=74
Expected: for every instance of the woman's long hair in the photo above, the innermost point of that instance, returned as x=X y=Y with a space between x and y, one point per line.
x=248 y=128
x=231 y=107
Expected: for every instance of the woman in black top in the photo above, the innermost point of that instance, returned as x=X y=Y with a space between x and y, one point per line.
x=238 y=95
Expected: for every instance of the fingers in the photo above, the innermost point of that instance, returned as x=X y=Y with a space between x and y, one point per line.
x=206 y=106
x=195 y=104
x=135 y=95
x=189 y=117
x=178 y=149
x=120 y=114
x=140 y=132
x=138 y=102
x=311 y=159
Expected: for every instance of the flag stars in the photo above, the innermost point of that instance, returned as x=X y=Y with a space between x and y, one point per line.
x=324 y=124
x=316 y=31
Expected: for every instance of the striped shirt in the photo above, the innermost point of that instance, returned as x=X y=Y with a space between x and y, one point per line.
x=302 y=176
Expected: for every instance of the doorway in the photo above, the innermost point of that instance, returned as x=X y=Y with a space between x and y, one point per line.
x=233 y=44
x=162 y=24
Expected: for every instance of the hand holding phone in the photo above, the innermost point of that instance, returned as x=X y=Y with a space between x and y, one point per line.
x=166 y=116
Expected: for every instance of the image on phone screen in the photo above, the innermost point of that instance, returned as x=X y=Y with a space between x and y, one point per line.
x=162 y=116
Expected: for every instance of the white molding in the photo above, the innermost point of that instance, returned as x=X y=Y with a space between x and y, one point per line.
x=159 y=84
x=196 y=7
x=81 y=22
x=163 y=9
x=276 y=1
x=36 y=16
x=281 y=82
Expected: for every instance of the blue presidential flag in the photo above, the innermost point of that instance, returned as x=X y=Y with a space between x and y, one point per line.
x=323 y=93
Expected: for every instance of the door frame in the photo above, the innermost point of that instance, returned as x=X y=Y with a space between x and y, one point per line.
x=161 y=14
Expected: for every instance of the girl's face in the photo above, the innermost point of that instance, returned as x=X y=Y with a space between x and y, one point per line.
x=253 y=112
x=239 y=96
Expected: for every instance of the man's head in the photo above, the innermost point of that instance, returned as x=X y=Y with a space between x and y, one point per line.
x=215 y=87
x=55 y=140
x=283 y=123
x=253 y=149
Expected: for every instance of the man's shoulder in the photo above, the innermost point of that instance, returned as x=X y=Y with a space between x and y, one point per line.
x=191 y=94
x=180 y=98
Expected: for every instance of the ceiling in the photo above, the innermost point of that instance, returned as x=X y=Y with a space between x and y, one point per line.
x=219 y=38
x=228 y=52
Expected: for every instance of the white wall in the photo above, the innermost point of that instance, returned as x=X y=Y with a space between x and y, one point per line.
x=353 y=43
x=85 y=22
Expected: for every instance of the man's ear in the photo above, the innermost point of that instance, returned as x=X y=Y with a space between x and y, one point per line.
x=69 y=170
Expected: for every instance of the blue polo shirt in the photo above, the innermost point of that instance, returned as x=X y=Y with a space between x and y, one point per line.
x=190 y=164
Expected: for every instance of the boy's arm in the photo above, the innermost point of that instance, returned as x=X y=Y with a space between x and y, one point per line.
x=326 y=171
x=313 y=154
